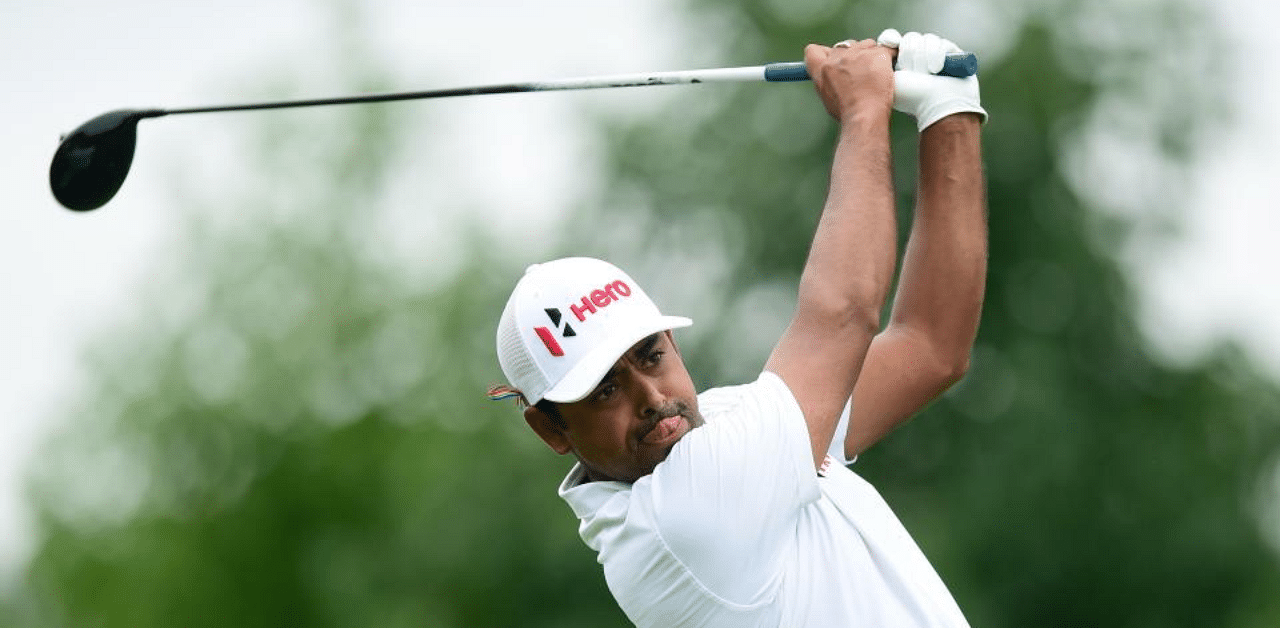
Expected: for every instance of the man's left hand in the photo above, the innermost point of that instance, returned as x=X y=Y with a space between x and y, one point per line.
x=918 y=90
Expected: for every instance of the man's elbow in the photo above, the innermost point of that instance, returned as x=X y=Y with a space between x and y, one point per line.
x=841 y=320
x=942 y=358
x=935 y=359
x=951 y=368
x=856 y=309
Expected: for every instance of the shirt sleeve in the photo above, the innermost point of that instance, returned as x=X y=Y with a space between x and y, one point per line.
x=836 y=450
x=728 y=498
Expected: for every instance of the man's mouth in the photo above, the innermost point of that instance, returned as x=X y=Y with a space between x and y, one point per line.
x=667 y=431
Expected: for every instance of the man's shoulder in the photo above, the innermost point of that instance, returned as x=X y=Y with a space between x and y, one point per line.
x=722 y=399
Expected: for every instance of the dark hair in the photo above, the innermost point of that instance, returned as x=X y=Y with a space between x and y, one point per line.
x=550 y=409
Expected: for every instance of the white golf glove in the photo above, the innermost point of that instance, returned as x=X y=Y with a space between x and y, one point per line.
x=921 y=93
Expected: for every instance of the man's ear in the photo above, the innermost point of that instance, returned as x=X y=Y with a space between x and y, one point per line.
x=548 y=430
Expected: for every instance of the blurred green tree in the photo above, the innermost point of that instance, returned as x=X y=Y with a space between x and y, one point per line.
x=294 y=435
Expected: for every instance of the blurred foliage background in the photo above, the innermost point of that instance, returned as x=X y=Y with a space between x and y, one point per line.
x=292 y=433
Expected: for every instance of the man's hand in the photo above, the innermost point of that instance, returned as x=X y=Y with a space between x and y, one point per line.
x=921 y=93
x=853 y=77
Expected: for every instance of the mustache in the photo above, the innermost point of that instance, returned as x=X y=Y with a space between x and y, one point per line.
x=670 y=409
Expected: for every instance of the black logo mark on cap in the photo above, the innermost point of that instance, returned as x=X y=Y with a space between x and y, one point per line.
x=555 y=316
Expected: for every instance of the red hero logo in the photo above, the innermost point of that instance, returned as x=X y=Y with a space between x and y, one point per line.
x=589 y=304
x=600 y=298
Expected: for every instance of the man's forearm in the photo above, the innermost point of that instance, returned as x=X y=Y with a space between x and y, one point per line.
x=852 y=256
x=925 y=347
x=850 y=266
x=944 y=268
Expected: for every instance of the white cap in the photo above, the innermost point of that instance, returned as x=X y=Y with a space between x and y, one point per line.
x=566 y=324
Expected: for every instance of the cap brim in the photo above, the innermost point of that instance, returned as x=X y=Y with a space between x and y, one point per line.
x=583 y=378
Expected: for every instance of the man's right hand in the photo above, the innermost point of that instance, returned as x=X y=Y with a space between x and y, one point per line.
x=852 y=77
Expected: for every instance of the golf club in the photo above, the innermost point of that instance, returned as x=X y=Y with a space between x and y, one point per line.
x=92 y=162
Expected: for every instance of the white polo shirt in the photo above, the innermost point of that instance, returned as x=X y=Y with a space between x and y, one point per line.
x=735 y=530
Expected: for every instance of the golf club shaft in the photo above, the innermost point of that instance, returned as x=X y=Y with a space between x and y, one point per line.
x=958 y=65
x=591 y=82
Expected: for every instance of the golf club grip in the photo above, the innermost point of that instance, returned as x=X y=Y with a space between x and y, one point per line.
x=957 y=65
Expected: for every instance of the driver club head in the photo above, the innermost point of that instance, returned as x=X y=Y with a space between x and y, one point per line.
x=91 y=163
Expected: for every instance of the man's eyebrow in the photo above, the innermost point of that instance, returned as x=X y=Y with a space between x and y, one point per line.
x=640 y=350
x=645 y=347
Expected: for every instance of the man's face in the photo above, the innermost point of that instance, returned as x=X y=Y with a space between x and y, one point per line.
x=634 y=416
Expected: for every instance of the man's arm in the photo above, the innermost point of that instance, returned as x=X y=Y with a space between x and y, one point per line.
x=925 y=347
x=851 y=262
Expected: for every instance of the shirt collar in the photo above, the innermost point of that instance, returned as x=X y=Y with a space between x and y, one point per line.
x=587 y=497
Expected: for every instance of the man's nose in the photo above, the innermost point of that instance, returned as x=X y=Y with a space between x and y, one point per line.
x=652 y=399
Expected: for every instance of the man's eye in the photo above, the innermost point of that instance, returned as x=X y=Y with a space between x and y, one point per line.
x=653 y=358
x=605 y=392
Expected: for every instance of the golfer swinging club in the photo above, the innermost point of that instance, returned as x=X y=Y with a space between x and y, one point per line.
x=734 y=508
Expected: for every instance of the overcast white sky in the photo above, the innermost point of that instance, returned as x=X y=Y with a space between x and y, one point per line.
x=65 y=277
